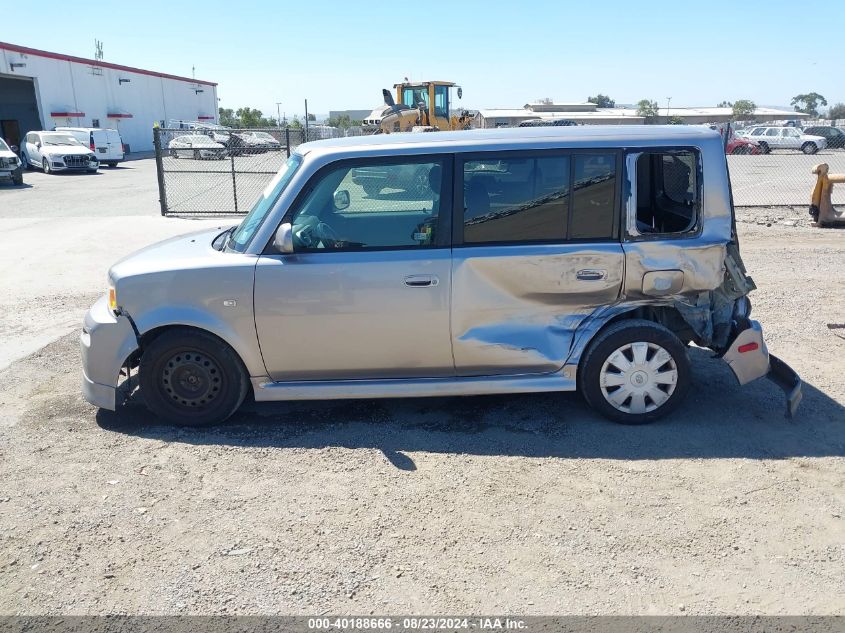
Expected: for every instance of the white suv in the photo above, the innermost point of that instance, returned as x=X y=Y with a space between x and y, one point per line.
x=770 y=138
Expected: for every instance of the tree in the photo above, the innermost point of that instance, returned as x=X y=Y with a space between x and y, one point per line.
x=743 y=109
x=648 y=109
x=837 y=111
x=295 y=123
x=675 y=120
x=226 y=117
x=808 y=103
x=725 y=104
x=343 y=121
x=602 y=101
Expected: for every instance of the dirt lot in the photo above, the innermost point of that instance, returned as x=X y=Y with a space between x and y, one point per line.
x=524 y=505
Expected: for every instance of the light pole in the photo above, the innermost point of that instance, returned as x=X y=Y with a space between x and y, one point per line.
x=668 y=101
x=278 y=114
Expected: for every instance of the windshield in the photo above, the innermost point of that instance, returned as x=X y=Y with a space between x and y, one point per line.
x=3 y=146
x=59 y=139
x=247 y=228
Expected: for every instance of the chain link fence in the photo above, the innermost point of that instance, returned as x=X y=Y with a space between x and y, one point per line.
x=217 y=171
x=210 y=170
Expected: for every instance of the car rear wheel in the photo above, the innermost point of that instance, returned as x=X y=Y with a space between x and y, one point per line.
x=197 y=155
x=635 y=372
x=191 y=378
x=809 y=148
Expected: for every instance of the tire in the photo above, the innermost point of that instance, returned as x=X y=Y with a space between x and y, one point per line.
x=809 y=148
x=197 y=155
x=45 y=165
x=112 y=164
x=741 y=149
x=372 y=188
x=764 y=148
x=191 y=378
x=18 y=180
x=174 y=153
x=653 y=390
x=25 y=161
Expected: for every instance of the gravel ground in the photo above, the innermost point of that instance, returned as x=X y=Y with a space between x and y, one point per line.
x=523 y=505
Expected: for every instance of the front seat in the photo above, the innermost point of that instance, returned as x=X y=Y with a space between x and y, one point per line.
x=476 y=199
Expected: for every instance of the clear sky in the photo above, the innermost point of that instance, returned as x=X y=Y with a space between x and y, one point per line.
x=340 y=54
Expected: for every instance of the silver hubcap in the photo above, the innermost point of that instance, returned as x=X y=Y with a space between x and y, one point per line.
x=638 y=377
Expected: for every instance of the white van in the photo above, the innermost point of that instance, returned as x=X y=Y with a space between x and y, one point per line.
x=105 y=143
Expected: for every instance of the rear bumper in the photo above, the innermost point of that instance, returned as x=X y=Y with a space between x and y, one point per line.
x=749 y=359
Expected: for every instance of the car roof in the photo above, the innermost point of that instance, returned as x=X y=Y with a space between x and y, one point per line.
x=513 y=138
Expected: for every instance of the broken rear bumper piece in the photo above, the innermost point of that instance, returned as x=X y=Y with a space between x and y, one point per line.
x=749 y=359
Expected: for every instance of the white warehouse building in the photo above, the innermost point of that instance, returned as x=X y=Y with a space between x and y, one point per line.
x=40 y=90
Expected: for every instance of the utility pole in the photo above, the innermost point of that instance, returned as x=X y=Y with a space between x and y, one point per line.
x=306 y=119
x=278 y=114
x=668 y=101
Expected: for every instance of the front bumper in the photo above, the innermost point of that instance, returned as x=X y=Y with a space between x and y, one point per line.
x=107 y=340
x=749 y=359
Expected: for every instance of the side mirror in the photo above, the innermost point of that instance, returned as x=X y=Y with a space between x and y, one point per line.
x=14 y=148
x=38 y=145
x=341 y=199
x=283 y=241
x=460 y=92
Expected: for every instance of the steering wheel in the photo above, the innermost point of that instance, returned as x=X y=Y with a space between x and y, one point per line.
x=317 y=234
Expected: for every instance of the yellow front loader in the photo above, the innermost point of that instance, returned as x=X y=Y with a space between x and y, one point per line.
x=422 y=106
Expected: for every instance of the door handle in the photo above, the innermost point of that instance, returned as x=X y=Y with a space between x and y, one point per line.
x=421 y=281
x=591 y=274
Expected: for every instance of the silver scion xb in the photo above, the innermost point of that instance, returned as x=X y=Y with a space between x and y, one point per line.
x=490 y=261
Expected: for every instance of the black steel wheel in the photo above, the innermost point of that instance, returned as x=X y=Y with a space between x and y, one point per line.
x=191 y=378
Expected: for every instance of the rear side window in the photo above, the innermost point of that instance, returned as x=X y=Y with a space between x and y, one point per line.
x=516 y=200
x=520 y=198
x=594 y=196
x=668 y=192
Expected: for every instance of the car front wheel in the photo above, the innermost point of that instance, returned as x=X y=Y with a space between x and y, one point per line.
x=764 y=148
x=45 y=166
x=191 y=378
x=635 y=372
x=809 y=148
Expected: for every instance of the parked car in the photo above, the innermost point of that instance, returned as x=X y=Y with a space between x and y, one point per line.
x=784 y=137
x=411 y=178
x=104 y=142
x=547 y=123
x=57 y=151
x=197 y=146
x=243 y=143
x=11 y=167
x=537 y=275
x=834 y=136
x=265 y=140
x=739 y=145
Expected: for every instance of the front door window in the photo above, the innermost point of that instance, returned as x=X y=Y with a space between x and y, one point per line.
x=374 y=206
